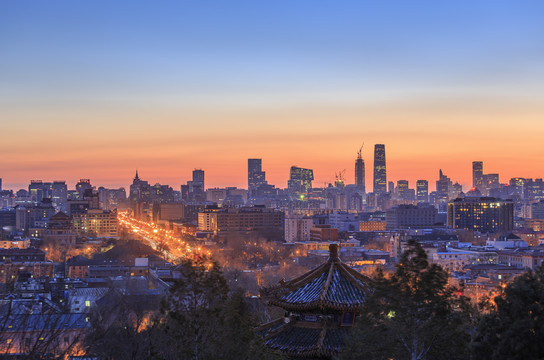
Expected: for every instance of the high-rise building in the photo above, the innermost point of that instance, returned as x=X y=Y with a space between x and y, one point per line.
x=482 y=214
x=0 y=184
x=360 y=171
x=297 y=228
x=96 y=222
x=443 y=184
x=380 y=173
x=59 y=195
x=422 y=190
x=491 y=181
x=198 y=181
x=139 y=190
x=56 y=191
x=265 y=221
x=256 y=177
x=391 y=187
x=300 y=180
x=477 y=174
x=85 y=184
x=537 y=210
x=403 y=190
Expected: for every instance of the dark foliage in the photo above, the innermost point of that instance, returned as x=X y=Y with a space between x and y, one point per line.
x=413 y=315
x=514 y=329
x=200 y=319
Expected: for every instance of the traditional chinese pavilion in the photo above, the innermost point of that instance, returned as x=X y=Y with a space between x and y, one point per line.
x=320 y=309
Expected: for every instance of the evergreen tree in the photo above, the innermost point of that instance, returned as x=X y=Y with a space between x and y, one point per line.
x=205 y=321
x=413 y=314
x=201 y=319
x=514 y=329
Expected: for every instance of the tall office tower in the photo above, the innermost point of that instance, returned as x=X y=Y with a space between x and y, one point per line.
x=391 y=187
x=477 y=174
x=422 y=190
x=59 y=195
x=0 y=184
x=380 y=174
x=300 y=179
x=255 y=176
x=198 y=181
x=443 y=184
x=490 y=181
x=85 y=184
x=402 y=189
x=360 y=171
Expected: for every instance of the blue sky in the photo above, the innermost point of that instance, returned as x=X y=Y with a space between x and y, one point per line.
x=115 y=69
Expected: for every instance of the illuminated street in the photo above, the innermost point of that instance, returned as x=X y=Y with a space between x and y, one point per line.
x=160 y=239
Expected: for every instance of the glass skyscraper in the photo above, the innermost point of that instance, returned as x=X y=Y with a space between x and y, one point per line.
x=380 y=174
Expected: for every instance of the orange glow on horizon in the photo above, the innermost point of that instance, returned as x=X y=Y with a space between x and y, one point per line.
x=420 y=139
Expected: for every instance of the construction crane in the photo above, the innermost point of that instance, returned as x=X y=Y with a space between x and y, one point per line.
x=360 y=152
x=339 y=178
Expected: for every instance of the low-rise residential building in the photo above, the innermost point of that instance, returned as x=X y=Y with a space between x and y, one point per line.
x=323 y=233
x=82 y=300
x=452 y=261
x=411 y=216
x=14 y=243
x=528 y=258
x=29 y=261
x=375 y=225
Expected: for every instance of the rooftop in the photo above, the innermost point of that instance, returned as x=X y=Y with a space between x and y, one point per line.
x=331 y=286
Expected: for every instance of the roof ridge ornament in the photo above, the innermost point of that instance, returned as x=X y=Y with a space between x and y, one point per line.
x=333 y=252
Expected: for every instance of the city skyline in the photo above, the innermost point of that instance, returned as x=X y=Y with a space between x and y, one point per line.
x=92 y=93
x=248 y=179
x=349 y=179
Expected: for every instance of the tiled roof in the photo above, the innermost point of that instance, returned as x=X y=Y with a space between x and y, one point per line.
x=331 y=286
x=41 y=322
x=299 y=339
x=89 y=293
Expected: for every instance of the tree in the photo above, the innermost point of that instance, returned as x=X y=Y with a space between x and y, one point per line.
x=514 y=328
x=203 y=320
x=200 y=318
x=30 y=332
x=123 y=328
x=413 y=314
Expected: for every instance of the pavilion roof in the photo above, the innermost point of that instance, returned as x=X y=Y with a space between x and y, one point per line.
x=331 y=286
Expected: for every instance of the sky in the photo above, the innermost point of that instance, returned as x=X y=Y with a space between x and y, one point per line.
x=97 y=89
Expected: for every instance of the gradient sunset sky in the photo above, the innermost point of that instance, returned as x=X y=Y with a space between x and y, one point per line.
x=96 y=89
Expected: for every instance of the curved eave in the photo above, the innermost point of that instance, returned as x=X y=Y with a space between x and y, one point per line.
x=315 y=305
x=313 y=353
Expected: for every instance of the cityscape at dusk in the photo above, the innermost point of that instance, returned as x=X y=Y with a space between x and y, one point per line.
x=281 y=180
x=171 y=88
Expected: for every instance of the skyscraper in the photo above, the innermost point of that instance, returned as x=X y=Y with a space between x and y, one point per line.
x=380 y=174
x=403 y=190
x=300 y=179
x=360 y=171
x=443 y=184
x=255 y=176
x=478 y=174
x=197 y=185
x=422 y=190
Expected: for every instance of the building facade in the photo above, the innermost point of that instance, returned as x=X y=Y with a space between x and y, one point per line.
x=481 y=214
x=380 y=172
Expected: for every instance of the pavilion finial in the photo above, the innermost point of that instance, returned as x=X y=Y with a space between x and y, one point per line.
x=333 y=251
